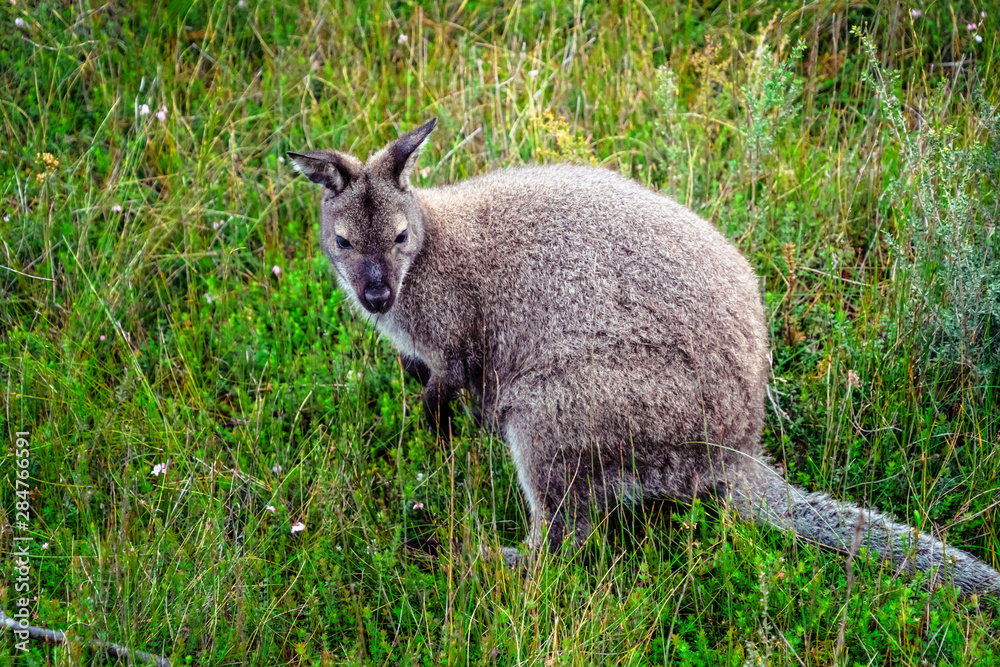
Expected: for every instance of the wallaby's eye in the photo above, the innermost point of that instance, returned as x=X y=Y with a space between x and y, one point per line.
x=343 y=243
x=402 y=237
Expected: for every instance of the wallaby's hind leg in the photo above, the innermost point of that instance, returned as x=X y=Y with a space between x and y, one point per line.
x=571 y=516
x=557 y=490
x=559 y=514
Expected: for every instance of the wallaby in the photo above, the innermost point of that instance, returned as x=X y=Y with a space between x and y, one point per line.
x=614 y=338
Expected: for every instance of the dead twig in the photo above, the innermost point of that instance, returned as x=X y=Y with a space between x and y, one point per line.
x=59 y=637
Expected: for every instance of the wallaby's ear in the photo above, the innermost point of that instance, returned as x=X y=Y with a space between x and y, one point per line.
x=397 y=160
x=331 y=169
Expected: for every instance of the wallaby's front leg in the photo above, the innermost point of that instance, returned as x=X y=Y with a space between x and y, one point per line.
x=439 y=392
x=416 y=369
x=438 y=395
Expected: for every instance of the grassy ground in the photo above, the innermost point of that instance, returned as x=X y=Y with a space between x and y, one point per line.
x=165 y=308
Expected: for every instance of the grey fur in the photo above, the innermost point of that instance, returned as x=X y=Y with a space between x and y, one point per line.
x=613 y=337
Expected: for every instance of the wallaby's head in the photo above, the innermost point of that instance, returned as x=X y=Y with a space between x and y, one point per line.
x=372 y=227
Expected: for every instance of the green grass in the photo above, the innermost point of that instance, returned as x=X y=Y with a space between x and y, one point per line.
x=142 y=323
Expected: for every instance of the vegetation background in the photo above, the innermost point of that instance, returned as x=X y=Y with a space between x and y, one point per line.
x=196 y=389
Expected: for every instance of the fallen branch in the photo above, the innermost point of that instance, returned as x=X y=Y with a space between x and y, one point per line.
x=59 y=637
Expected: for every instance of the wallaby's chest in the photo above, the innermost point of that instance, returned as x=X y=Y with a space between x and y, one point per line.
x=408 y=341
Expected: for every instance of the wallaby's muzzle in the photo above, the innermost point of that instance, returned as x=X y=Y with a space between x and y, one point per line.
x=377 y=298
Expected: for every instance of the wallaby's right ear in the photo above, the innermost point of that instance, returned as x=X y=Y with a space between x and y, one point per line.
x=331 y=169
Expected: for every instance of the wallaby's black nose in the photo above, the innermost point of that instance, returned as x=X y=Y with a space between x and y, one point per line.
x=378 y=297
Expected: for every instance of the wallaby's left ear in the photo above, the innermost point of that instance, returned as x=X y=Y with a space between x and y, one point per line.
x=397 y=160
x=331 y=169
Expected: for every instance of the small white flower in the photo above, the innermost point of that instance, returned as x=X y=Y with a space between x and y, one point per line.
x=418 y=506
x=270 y=508
x=402 y=39
x=281 y=160
x=144 y=110
x=978 y=38
x=982 y=14
x=276 y=270
x=276 y=469
x=639 y=166
x=131 y=549
x=915 y=13
x=209 y=298
x=19 y=22
x=970 y=26
x=339 y=548
x=425 y=172
x=45 y=546
x=533 y=72
x=420 y=476
x=297 y=527
x=242 y=4
x=161 y=115
x=217 y=225
x=117 y=208
x=6 y=218
x=160 y=469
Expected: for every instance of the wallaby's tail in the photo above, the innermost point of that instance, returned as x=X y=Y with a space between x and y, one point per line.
x=762 y=495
